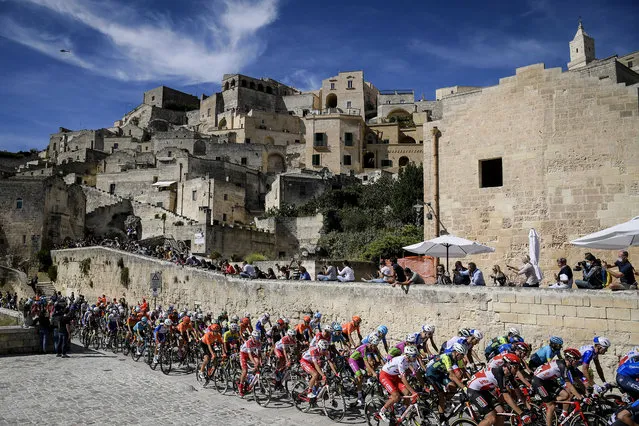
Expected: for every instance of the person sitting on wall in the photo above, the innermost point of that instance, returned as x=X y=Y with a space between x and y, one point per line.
x=528 y=270
x=384 y=274
x=329 y=273
x=499 y=278
x=248 y=271
x=346 y=274
x=270 y=274
x=414 y=278
x=443 y=277
x=594 y=279
x=304 y=275
x=458 y=278
x=625 y=272
x=564 y=276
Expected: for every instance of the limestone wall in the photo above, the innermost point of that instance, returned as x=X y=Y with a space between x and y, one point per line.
x=577 y=315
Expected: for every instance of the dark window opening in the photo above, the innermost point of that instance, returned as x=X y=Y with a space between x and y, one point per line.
x=347 y=160
x=247 y=140
x=243 y=161
x=112 y=188
x=223 y=217
x=348 y=139
x=491 y=173
x=387 y=163
x=319 y=139
x=19 y=203
x=316 y=159
x=629 y=66
x=226 y=197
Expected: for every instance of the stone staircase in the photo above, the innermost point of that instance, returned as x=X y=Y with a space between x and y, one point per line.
x=45 y=285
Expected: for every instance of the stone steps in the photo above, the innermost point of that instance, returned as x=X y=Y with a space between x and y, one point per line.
x=46 y=288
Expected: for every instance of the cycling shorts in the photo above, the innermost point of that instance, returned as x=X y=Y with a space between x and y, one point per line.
x=279 y=353
x=205 y=349
x=357 y=365
x=308 y=366
x=391 y=383
x=546 y=389
x=484 y=401
x=628 y=385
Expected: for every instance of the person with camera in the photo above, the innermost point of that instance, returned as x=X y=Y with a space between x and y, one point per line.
x=594 y=278
x=584 y=265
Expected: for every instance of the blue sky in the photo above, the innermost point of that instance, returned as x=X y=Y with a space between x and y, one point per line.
x=119 y=48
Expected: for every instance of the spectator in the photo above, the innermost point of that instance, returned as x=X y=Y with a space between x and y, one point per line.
x=458 y=278
x=476 y=276
x=237 y=269
x=330 y=273
x=384 y=274
x=248 y=271
x=282 y=272
x=346 y=274
x=56 y=319
x=398 y=271
x=304 y=275
x=528 y=270
x=270 y=274
x=42 y=320
x=625 y=272
x=443 y=277
x=594 y=278
x=499 y=278
x=584 y=266
x=415 y=278
x=63 y=334
x=564 y=277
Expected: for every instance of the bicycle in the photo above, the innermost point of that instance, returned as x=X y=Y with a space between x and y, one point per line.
x=331 y=394
x=416 y=413
x=259 y=388
x=579 y=417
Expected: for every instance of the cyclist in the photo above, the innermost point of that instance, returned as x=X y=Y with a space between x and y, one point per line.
x=634 y=352
x=186 y=332
x=231 y=338
x=423 y=337
x=113 y=323
x=399 y=348
x=445 y=373
x=493 y=347
x=260 y=325
x=315 y=322
x=247 y=320
x=351 y=327
x=546 y=353
x=628 y=416
x=303 y=331
x=591 y=353
x=211 y=338
x=521 y=350
x=393 y=378
x=245 y=328
x=140 y=329
x=311 y=362
x=224 y=316
x=160 y=334
x=275 y=333
x=131 y=322
x=550 y=382
x=363 y=361
x=283 y=350
x=249 y=351
x=381 y=333
x=628 y=374
x=483 y=387
x=473 y=338
x=338 y=338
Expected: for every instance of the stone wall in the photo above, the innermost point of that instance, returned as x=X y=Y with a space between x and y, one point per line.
x=18 y=340
x=577 y=315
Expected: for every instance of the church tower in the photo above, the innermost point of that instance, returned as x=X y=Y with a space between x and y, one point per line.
x=582 y=49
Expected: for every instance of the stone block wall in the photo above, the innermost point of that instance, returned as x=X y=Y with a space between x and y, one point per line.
x=577 y=315
x=18 y=340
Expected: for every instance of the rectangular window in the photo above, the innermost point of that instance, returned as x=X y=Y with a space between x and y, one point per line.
x=348 y=139
x=332 y=86
x=194 y=195
x=24 y=239
x=247 y=140
x=218 y=158
x=208 y=112
x=350 y=84
x=243 y=161
x=316 y=159
x=347 y=160
x=348 y=104
x=386 y=141
x=491 y=173
x=630 y=64
x=152 y=98
x=226 y=197
x=155 y=179
x=19 y=203
x=115 y=146
x=112 y=188
x=387 y=163
x=297 y=141
x=160 y=204
x=223 y=217
x=319 y=139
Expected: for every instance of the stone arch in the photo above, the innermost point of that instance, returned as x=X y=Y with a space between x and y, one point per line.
x=222 y=124
x=403 y=161
x=369 y=160
x=226 y=86
x=269 y=140
x=199 y=147
x=269 y=90
x=331 y=100
x=275 y=163
x=398 y=112
x=371 y=138
x=260 y=87
x=407 y=139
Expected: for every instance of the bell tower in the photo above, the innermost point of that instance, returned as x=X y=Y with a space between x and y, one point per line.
x=582 y=49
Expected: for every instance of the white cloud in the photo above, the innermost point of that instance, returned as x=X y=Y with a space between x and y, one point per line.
x=223 y=39
x=303 y=80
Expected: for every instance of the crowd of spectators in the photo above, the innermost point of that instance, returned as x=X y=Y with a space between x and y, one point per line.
x=9 y=301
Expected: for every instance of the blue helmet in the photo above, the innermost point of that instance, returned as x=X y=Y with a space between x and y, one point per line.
x=383 y=330
x=557 y=340
x=318 y=315
x=337 y=327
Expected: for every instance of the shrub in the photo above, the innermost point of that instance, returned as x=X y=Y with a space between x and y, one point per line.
x=53 y=273
x=124 y=277
x=85 y=266
x=254 y=257
x=215 y=255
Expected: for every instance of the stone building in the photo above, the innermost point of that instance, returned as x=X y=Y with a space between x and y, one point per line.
x=38 y=213
x=165 y=97
x=545 y=149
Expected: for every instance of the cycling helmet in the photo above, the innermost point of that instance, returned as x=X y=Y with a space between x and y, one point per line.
x=572 y=353
x=266 y=315
x=256 y=334
x=186 y=320
x=235 y=318
x=137 y=309
x=373 y=340
x=322 y=344
x=427 y=328
x=521 y=346
x=286 y=320
x=556 y=340
x=214 y=328
x=245 y=321
x=144 y=320
x=602 y=341
x=411 y=339
x=234 y=327
x=307 y=318
x=199 y=317
x=410 y=351
x=337 y=328
x=290 y=333
x=328 y=328
x=511 y=359
x=464 y=332
x=513 y=331
x=247 y=315
x=224 y=313
x=168 y=322
x=356 y=318
x=224 y=323
x=383 y=330
x=317 y=315
x=280 y=322
x=459 y=348
x=477 y=334
x=96 y=309
x=121 y=311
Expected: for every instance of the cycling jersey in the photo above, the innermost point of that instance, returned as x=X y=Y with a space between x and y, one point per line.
x=303 y=329
x=184 y=327
x=443 y=364
x=132 y=320
x=554 y=370
x=319 y=336
x=314 y=355
x=211 y=338
x=286 y=342
x=366 y=339
x=629 y=369
x=497 y=361
x=363 y=351
x=448 y=346
x=160 y=330
x=251 y=346
x=230 y=337
x=140 y=327
x=633 y=409
x=489 y=380
x=338 y=338
x=399 y=365
x=630 y=356
x=259 y=326
x=315 y=324
x=350 y=328
x=588 y=353
x=542 y=356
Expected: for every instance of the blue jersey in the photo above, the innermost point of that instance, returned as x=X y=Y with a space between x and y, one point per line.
x=629 y=369
x=140 y=327
x=160 y=330
x=545 y=354
x=338 y=338
x=382 y=338
x=587 y=354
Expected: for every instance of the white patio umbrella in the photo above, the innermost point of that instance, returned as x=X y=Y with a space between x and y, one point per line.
x=448 y=246
x=533 y=252
x=616 y=237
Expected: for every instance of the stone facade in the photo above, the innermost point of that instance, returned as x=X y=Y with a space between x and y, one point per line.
x=165 y=97
x=335 y=142
x=349 y=93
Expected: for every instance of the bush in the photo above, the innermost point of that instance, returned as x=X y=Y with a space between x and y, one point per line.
x=44 y=257
x=85 y=266
x=254 y=257
x=53 y=273
x=179 y=223
x=124 y=277
x=215 y=255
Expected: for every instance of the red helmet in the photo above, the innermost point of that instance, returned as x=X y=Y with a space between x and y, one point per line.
x=215 y=328
x=521 y=346
x=356 y=318
x=307 y=318
x=186 y=320
x=572 y=353
x=246 y=321
x=512 y=359
x=280 y=321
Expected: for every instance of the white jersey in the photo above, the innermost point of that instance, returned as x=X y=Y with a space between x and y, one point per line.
x=400 y=365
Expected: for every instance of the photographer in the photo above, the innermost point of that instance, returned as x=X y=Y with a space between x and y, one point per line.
x=584 y=266
x=593 y=280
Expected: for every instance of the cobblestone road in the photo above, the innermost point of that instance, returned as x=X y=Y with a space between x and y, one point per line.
x=100 y=387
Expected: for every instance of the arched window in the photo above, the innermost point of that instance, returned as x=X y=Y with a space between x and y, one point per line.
x=403 y=161
x=243 y=83
x=232 y=83
x=331 y=101
x=269 y=90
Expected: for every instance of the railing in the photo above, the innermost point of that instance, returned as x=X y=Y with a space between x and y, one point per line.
x=327 y=111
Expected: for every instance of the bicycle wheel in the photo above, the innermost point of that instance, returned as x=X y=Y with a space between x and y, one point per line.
x=371 y=408
x=165 y=359
x=464 y=422
x=333 y=402
x=591 y=419
x=220 y=381
x=96 y=342
x=262 y=391
x=125 y=345
x=299 y=396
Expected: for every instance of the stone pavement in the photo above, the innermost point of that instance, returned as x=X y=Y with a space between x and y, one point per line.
x=99 y=387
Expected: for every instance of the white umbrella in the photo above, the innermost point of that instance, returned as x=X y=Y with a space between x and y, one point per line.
x=449 y=246
x=533 y=252
x=616 y=237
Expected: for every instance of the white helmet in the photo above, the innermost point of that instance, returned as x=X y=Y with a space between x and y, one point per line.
x=513 y=331
x=464 y=332
x=247 y=315
x=373 y=339
x=266 y=315
x=410 y=351
x=96 y=309
x=328 y=327
x=234 y=327
x=602 y=341
x=428 y=328
x=322 y=344
x=459 y=348
x=411 y=338
x=256 y=334
x=477 y=334
x=168 y=322
x=290 y=333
